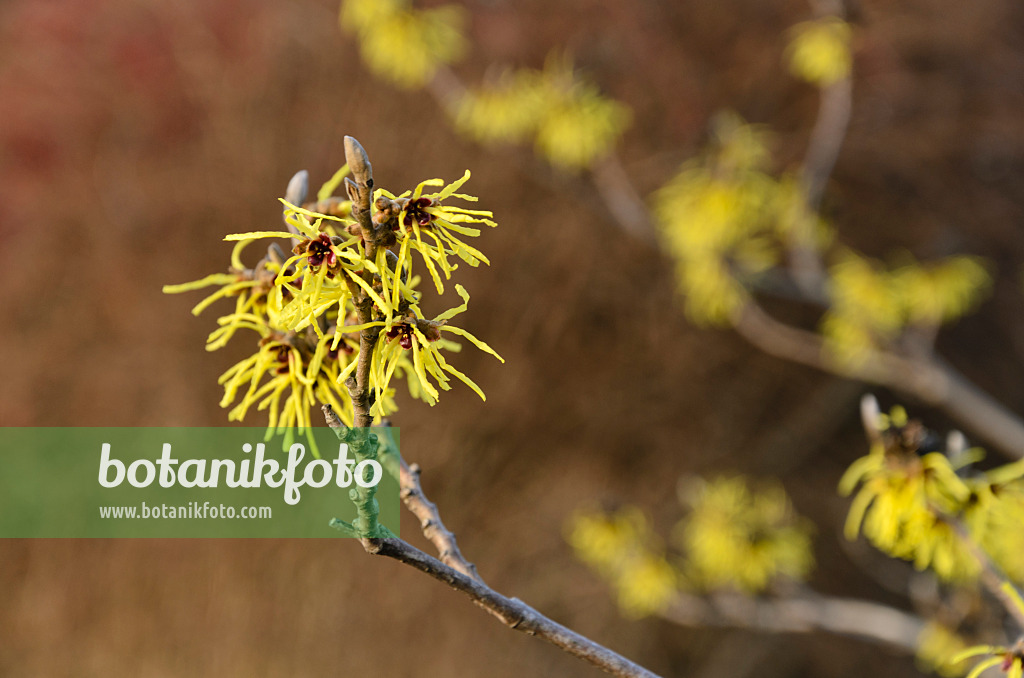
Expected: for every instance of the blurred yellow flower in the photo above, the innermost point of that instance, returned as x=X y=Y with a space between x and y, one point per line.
x=622 y=548
x=914 y=506
x=722 y=218
x=742 y=538
x=871 y=305
x=572 y=123
x=405 y=45
x=942 y=291
x=819 y=50
x=936 y=647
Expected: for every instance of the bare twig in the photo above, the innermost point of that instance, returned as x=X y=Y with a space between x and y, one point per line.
x=930 y=380
x=624 y=204
x=513 y=612
x=827 y=136
x=430 y=521
x=804 y=613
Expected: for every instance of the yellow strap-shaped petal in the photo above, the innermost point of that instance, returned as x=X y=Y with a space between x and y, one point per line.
x=452 y=187
x=479 y=344
x=253 y=235
x=452 y=312
x=213 y=279
x=327 y=190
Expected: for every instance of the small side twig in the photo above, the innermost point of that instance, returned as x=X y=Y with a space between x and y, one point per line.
x=620 y=196
x=430 y=521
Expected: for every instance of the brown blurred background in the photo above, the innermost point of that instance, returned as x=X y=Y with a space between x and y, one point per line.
x=134 y=134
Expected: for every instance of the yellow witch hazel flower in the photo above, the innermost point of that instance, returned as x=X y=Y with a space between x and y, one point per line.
x=742 y=538
x=304 y=307
x=872 y=305
x=288 y=376
x=622 y=548
x=819 y=51
x=724 y=217
x=913 y=505
x=867 y=309
x=937 y=647
x=1010 y=660
x=995 y=518
x=252 y=289
x=422 y=214
x=903 y=498
x=580 y=126
x=572 y=123
x=506 y=110
x=942 y=291
x=405 y=45
x=327 y=268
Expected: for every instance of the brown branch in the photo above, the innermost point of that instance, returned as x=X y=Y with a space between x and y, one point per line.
x=804 y=613
x=928 y=379
x=624 y=204
x=430 y=521
x=513 y=612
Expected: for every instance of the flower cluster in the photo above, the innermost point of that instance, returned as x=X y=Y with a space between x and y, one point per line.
x=741 y=537
x=725 y=219
x=571 y=123
x=622 y=548
x=871 y=305
x=734 y=537
x=303 y=307
x=728 y=223
x=913 y=504
x=402 y=44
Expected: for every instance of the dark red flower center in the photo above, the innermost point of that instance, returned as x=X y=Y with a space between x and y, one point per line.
x=416 y=211
x=403 y=333
x=319 y=251
x=282 y=357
